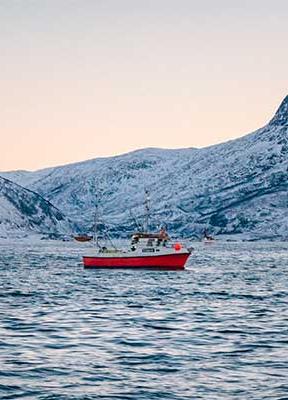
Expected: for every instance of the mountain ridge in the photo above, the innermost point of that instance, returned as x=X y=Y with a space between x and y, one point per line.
x=239 y=186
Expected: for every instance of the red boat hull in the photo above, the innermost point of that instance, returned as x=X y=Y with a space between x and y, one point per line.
x=167 y=262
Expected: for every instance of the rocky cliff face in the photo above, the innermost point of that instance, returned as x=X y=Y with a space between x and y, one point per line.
x=237 y=187
x=280 y=118
x=24 y=211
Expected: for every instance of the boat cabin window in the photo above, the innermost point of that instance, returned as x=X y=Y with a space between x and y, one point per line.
x=148 y=250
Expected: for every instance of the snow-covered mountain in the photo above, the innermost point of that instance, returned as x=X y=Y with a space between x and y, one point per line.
x=239 y=186
x=23 y=211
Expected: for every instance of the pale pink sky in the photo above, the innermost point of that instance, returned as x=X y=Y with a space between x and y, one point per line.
x=86 y=78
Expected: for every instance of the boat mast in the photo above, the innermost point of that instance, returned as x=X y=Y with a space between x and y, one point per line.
x=96 y=216
x=147 y=210
x=95 y=225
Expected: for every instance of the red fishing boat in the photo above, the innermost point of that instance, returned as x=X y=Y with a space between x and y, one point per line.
x=146 y=250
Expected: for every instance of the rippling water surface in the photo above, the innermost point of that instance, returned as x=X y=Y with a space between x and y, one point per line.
x=215 y=331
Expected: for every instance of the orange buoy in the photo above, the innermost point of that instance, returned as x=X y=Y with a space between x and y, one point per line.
x=177 y=246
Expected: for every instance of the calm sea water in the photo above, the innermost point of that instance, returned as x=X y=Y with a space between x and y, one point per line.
x=218 y=330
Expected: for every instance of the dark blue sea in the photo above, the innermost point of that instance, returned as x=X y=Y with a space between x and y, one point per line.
x=218 y=330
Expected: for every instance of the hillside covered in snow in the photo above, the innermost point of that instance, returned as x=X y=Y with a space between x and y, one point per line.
x=237 y=187
x=23 y=211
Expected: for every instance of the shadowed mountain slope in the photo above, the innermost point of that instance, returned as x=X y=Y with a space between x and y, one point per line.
x=23 y=210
